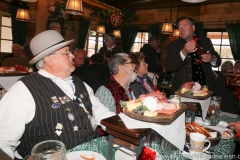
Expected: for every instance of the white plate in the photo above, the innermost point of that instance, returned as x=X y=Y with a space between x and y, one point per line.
x=76 y=155
x=221 y=130
x=196 y=156
x=232 y=135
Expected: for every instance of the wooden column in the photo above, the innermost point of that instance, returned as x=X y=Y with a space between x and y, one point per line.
x=41 y=15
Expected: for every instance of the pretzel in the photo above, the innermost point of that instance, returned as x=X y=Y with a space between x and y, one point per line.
x=194 y=127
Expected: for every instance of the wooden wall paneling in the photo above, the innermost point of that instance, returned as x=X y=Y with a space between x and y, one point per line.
x=4 y=7
x=220 y=12
x=146 y=16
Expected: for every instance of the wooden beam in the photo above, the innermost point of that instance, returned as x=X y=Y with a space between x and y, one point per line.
x=95 y=5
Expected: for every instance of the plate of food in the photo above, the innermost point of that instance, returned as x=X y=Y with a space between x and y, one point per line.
x=85 y=155
x=227 y=134
x=214 y=136
x=153 y=107
x=194 y=90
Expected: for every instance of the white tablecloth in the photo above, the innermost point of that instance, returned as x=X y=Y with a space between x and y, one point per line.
x=204 y=104
x=7 y=81
x=175 y=132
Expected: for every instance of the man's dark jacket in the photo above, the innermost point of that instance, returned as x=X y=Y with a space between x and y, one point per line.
x=152 y=58
x=183 y=68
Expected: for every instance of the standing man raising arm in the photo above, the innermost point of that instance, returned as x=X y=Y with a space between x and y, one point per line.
x=191 y=58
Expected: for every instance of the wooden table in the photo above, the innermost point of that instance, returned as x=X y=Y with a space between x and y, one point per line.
x=117 y=129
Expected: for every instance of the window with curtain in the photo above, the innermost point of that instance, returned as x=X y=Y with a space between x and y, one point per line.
x=221 y=44
x=6 y=33
x=140 y=40
x=94 y=43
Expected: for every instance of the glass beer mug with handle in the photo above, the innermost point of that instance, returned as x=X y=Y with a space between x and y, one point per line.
x=49 y=150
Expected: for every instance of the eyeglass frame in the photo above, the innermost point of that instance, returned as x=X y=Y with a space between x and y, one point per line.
x=66 y=53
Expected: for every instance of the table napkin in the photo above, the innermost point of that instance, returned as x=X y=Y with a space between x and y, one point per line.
x=222 y=124
x=175 y=132
x=204 y=104
x=201 y=122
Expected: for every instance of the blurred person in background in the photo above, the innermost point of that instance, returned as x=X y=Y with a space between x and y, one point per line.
x=152 y=54
x=229 y=102
x=16 y=50
x=23 y=60
x=95 y=74
x=79 y=57
x=110 y=48
x=143 y=83
x=237 y=65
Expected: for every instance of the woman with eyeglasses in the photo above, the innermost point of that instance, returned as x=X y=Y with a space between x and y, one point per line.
x=143 y=83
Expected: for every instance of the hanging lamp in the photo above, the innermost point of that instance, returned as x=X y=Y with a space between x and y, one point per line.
x=74 y=7
x=101 y=29
x=29 y=0
x=117 y=33
x=176 y=31
x=193 y=1
x=23 y=15
x=167 y=27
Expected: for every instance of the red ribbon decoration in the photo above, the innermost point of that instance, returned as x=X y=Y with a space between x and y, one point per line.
x=196 y=39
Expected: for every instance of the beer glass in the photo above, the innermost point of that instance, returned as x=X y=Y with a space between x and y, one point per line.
x=214 y=110
x=49 y=150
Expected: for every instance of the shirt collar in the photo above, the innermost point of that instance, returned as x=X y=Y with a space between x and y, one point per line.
x=48 y=75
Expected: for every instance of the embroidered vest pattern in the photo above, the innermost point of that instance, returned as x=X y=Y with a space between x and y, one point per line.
x=43 y=125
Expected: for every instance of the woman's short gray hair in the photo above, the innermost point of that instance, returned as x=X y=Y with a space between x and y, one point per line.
x=40 y=64
x=115 y=61
x=227 y=65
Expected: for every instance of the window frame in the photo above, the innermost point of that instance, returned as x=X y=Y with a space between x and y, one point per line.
x=97 y=36
x=1 y=25
x=205 y=31
x=141 y=43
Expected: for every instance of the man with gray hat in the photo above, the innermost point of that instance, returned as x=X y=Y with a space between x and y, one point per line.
x=49 y=104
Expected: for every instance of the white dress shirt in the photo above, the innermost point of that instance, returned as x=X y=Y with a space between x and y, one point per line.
x=17 y=108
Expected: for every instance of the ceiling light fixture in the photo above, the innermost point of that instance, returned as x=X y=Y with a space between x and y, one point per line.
x=74 y=7
x=193 y=1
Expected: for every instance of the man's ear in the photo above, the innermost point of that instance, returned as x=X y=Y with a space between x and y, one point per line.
x=48 y=61
x=121 y=68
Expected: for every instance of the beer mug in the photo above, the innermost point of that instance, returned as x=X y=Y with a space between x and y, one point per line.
x=49 y=150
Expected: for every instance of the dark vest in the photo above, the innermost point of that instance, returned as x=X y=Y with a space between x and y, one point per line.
x=43 y=126
x=198 y=74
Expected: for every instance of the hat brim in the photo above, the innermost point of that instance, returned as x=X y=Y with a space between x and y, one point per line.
x=50 y=50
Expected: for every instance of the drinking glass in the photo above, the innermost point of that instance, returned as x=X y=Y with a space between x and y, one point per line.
x=49 y=150
x=153 y=140
x=168 y=148
x=188 y=117
x=214 y=109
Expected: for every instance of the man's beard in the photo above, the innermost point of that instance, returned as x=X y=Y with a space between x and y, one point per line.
x=133 y=75
x=133 y=78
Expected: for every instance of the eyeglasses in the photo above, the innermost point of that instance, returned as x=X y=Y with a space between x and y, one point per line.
x=66 y=53
x=131 y=62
